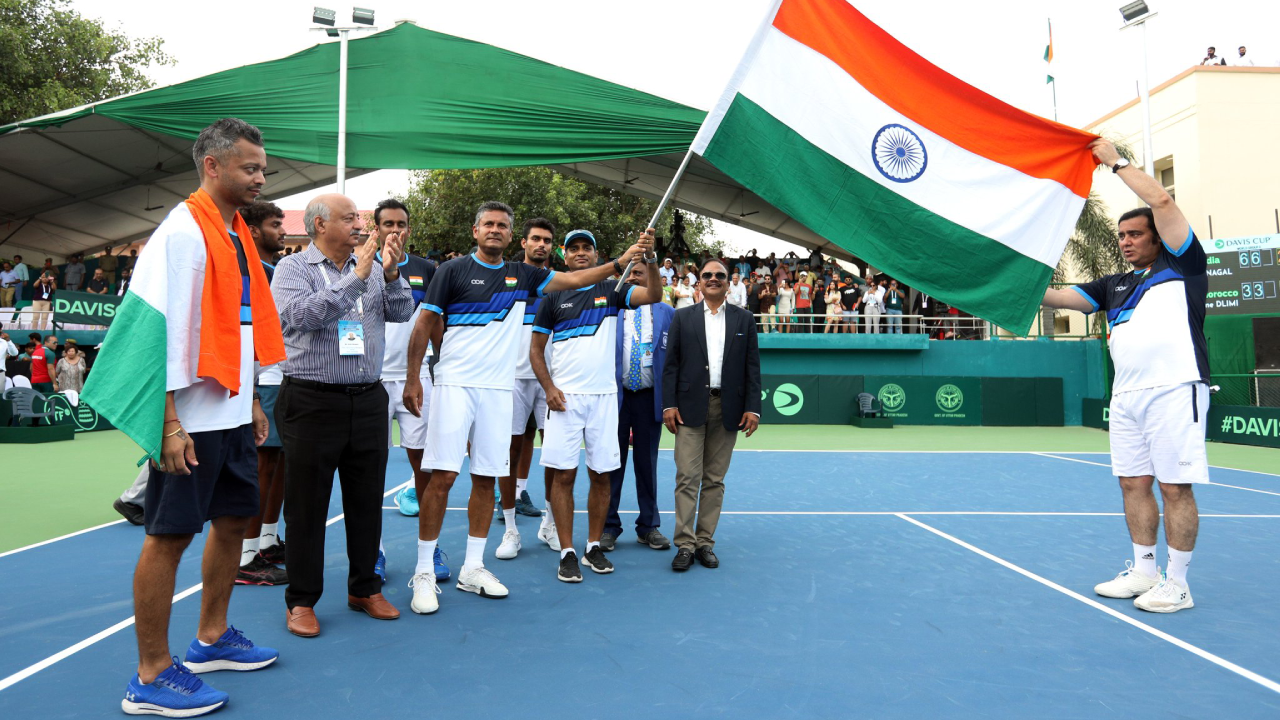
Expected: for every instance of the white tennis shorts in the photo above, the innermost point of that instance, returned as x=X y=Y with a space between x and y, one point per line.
x=461 y=415
x=528 y=397
x=1160 y=431
x=590 y=417
x=413 y=430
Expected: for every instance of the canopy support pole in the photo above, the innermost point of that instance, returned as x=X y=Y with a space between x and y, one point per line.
x=342 y=112
x=662 y=205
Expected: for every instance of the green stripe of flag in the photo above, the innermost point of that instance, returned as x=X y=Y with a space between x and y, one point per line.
x=127 y=385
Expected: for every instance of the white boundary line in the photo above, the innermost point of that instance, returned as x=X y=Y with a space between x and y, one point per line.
x=977 y=513
x=61 y=537
x=1108 y=466
x=1205 y=654
x=104 y=634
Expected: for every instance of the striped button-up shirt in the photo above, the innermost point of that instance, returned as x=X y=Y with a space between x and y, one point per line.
x=313 y=294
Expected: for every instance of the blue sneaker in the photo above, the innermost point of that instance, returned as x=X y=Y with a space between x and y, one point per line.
x=233 y=651
x=176 y=692
x=380 y=567
x=525 y=506
x=407 y=501
x=442 y=569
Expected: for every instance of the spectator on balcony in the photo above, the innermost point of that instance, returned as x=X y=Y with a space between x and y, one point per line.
x=894 y=301
x=743 y=266
x=668 y=292
x=98 y=284
x=850 y=298
x=768 y=302
x=753 y=299
x=737 y=295
x=818 y=310
x=1242 y=60
x=871 y=307
x=683 y=293
x=834 y=309
x=804 y=302
x=24 y=277
x=786 y=305
x=109 y=263
x=73 y=276
x=1212 y=58
x=668 y=271
x=9 y=283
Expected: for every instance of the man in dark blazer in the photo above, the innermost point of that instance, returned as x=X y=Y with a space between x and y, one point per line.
x=710 y=390
x=641 y=352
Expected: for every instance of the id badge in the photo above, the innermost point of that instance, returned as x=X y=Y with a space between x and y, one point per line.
x=350 y=337
x=646 y=359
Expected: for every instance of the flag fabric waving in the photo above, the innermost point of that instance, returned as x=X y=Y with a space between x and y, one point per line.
x=1048 y=52
x=940 y=185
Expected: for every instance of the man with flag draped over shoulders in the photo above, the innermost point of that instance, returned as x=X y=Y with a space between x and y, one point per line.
x=200 y=299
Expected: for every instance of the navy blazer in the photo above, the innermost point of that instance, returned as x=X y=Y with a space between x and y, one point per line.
x=662 y=314
x=687 y=373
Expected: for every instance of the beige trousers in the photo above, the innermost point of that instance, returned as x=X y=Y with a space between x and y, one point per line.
x=702 y=460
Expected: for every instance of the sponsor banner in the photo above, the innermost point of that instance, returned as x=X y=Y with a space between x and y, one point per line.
x=84 y=308
x=789 y=399
x=918 y=400
x=1244 y=425
x=85 y=418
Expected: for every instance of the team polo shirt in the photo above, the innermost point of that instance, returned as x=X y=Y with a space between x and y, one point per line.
x=583 y=328
x=1156 y=316
x=483 y=310
x=273 y=374
x=395 y=354
x=524 y=370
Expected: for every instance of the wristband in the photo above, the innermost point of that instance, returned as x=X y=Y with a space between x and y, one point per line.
x=617 y=267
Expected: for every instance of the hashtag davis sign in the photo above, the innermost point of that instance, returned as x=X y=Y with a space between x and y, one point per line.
x=923 y=400
x=84 y=308
x=1244 y=425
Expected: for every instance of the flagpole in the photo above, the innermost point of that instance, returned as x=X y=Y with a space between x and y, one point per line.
x=662 y=205
x=1054 y=84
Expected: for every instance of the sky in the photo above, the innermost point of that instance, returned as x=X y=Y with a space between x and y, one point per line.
x=685 y=50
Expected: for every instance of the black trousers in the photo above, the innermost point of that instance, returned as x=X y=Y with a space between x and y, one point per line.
x=322 y=432
x=635 y=420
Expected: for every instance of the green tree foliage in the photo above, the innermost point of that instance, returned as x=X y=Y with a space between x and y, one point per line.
x=54 y=59
x=443 y=205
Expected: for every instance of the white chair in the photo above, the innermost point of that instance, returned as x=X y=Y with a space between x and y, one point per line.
x=21 y=381
x=8 y=382
x=25 y=318
x=6 y=315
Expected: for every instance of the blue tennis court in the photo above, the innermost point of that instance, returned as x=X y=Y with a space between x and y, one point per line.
x=852 y=584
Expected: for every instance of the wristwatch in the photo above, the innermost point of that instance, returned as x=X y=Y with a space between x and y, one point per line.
x=1121 y=163
x=651 y=260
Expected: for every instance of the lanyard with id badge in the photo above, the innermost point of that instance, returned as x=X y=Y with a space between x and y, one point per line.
x=350 y=332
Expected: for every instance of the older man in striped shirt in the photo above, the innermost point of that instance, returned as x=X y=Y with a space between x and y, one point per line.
x=334 y=300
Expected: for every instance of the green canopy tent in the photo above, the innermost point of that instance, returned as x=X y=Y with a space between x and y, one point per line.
x=107 y=173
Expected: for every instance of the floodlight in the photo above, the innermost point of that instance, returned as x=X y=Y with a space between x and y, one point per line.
x=324 y=16
x=331 y=32
x=362 y=16
x=1134 y=10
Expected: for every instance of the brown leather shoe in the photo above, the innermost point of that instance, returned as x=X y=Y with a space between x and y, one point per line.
x=302 y=622
x=375 y=606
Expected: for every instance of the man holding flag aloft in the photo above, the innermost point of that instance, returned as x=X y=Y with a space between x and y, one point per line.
x=199 y=299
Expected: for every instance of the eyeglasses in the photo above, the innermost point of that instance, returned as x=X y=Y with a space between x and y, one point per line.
x=717 y=275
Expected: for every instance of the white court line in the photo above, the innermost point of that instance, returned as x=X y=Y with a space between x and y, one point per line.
x=62 y=537
x=1205 y=654
x=1011 y=513
x=104 y=634
x=1108 y=465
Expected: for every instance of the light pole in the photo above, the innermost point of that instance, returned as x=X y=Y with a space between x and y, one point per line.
x=359 y=17
x=1137 y=13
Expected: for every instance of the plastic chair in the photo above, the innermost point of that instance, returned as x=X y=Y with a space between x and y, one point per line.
x=22 y=381
x=23 y=399
x=868 y=405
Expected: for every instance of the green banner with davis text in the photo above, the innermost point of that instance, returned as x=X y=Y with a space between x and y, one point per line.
x=917 y=400
x=84 y=308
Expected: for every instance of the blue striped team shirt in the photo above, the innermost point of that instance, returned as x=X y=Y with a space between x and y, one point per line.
x=582 y=324
x=310 y=309
x=483 y=309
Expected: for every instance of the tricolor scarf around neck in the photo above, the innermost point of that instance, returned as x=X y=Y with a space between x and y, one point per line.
x=220 y=304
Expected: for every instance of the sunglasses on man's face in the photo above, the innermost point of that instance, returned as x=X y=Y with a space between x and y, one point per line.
x=717 y=275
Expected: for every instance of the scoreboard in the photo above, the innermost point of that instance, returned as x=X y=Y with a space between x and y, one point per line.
x=1243 y=275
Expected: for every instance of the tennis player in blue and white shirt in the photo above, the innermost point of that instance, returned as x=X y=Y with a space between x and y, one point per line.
x=1160 y=394
x=582 y=395
x=473 y=315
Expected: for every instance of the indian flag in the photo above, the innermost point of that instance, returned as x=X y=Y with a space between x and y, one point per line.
x=945 y=188
x=135 y=366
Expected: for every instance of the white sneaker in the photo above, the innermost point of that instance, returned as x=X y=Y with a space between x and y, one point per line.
x=510 y=544
x=1166 y=597
x=1129 y=583
x=425 y=591
x=481 y=582
x=548 y=535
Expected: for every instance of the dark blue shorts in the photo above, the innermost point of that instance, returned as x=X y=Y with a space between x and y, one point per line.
x=224 y=483
x=268 y=394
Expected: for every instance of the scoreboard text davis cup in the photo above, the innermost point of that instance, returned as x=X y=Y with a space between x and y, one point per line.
x=1243 y=275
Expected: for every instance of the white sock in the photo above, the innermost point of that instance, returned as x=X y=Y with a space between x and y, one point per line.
x=475 y=553
x=547 y=517
x=1144 y=559
x=510 y=517
x=566 y=551
x=521 y=484
x=203 y=643
x=426 y=557
x=592 y=545
x=380 y=548
x=1179 y=562
x=268 y=537
x=248 y=548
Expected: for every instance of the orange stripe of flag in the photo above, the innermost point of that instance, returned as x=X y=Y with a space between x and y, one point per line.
x=947 y=106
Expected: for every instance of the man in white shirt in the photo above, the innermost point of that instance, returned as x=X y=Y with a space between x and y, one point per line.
x=737 y=292
x=668 y=271
x=1242 y=60
x=1212 y=58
